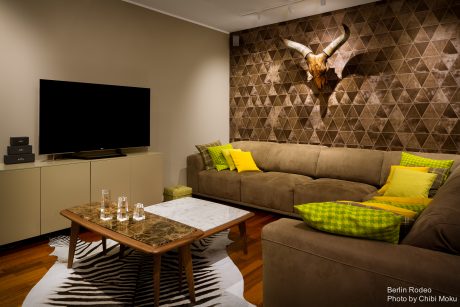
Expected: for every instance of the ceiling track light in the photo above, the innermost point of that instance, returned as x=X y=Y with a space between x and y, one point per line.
x=274 y=8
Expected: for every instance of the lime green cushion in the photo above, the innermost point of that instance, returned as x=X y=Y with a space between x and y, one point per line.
x=217 y=156
x=408 y=159
x=408 y=183
x=351 y=220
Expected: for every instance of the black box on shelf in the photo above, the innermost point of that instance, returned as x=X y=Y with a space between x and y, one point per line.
x=22 y=158
x=17 y=150
x=19 y=140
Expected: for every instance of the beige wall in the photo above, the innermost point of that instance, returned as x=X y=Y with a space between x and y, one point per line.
x=108 y=41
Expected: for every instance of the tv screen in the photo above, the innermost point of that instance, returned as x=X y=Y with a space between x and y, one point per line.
x=77 y=116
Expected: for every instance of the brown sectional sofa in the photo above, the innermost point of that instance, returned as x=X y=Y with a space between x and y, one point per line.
x=295 y=174
x=305 y=267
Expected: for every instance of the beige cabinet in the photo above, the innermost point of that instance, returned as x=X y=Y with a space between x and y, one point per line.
x=137 y=176
x=62 y=186
x=20 y=204
x=147 y=179
x=112 y=174
x=33 y=194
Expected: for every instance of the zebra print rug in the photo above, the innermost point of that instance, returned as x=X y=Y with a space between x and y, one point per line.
x=106 y=280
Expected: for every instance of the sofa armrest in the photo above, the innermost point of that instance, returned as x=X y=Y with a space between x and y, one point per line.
x=302 y=265
x=195 y=164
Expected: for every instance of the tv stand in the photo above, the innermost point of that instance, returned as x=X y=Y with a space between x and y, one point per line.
x=37 y=192
x=92 y=155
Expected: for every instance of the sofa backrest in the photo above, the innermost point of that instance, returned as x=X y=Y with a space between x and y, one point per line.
x=360 y=165
x=290 y=158
x=260 y=152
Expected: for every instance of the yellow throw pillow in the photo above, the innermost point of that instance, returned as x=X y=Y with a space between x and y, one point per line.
x=409 y=183
x=392 y=171
x=243 y=161
x=228 y=157
x=404 y=200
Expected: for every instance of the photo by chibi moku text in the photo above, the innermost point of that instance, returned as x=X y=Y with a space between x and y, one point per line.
x=414 y=295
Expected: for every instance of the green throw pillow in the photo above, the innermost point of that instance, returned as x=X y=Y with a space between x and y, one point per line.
x=220 y=163
x=351 y=220
x=408 y=159
x=408 y=183
x=203 y=149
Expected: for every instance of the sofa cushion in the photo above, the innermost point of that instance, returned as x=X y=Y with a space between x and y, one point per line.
x=203 y=149
x=442 y=174
x=217 y=156
x=408 y=159
x=224 y=184
x=325 y=189
x=289 y=158
x=229 y=159
x=409 y=183
x=352 y=219
x=260 y=151
x=295 y=159
x=244 y=162
x=392 y=172
x=272 y=190
x=438 y=227
x=394 y=157
x=360 y=165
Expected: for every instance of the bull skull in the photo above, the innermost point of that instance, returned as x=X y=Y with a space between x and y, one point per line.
x=317 y=63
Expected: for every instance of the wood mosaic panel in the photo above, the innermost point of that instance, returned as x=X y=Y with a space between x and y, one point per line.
x=394 y=85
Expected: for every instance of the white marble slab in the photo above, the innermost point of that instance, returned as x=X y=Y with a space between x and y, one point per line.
x=198 y=213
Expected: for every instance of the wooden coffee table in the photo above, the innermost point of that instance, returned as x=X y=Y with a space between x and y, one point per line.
x=155 y=235
x=207 y=216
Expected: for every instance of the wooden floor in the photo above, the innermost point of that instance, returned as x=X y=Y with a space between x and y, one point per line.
x=23 y=265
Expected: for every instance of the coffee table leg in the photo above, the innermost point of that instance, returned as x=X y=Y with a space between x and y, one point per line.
x=74 y=230
x=121 y=252
x=156 y=278
x=179 y=267
x=244 y=236
x=104 y=245
x=187 y=263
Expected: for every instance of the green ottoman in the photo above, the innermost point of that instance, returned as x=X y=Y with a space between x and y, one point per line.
x=177 y=191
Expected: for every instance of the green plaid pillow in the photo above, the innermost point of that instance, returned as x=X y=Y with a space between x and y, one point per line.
x=408 y=159
x=440 y=179
x=220 y=163
x=203 y=149
x=350 y=220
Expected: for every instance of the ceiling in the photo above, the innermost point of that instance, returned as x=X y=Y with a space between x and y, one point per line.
x=234 y=15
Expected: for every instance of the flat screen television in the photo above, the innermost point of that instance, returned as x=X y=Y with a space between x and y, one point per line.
x=79 y=117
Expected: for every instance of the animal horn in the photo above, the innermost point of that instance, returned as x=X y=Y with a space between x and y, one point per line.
x=304 y=50
x=339 y=41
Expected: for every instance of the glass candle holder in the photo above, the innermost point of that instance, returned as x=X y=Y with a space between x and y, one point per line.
x=106 y=213
x=139 y=213
x=122 y=211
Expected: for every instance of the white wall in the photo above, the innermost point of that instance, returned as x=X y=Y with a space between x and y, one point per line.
x=106 y=41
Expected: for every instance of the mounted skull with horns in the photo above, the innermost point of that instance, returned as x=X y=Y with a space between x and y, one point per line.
x=317 y=63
